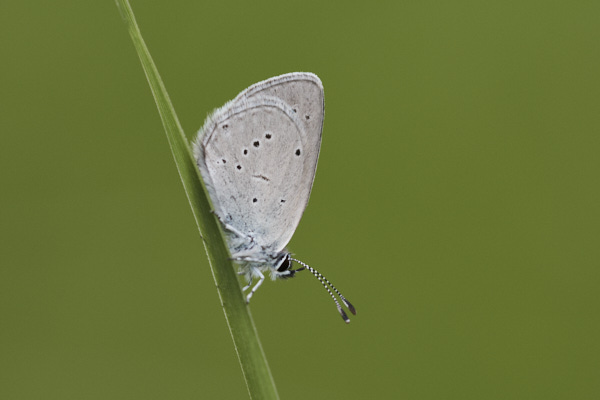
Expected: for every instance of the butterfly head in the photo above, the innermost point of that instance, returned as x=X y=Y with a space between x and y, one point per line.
x=283 y=267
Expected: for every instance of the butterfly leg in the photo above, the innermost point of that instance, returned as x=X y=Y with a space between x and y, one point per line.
x=261 y=278
x=249 y=259
x=248 y=255
x=231 y=228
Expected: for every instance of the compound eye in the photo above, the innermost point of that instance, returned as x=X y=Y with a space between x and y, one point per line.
x=285 y=264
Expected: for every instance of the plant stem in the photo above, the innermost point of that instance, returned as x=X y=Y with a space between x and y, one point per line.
x=253 y=362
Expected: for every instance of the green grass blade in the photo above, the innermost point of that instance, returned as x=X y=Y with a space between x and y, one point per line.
x=241 y=326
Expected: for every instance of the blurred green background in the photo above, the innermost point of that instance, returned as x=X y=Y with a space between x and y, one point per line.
x=456 y=203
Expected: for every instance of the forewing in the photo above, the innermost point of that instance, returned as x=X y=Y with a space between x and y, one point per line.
x=303 y=92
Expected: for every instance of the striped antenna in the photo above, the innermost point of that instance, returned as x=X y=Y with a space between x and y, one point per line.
x=325 y=282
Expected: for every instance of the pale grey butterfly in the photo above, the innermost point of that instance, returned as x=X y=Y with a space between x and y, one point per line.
x=258 y=157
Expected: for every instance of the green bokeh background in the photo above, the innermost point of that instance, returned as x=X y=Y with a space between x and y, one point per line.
x=456 y=203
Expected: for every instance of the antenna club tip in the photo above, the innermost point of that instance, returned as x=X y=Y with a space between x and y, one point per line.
x=344 y=316
x=351 y=308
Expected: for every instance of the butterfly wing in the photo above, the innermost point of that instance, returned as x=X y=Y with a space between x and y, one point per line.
x=267 y=199
x=253 y=160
